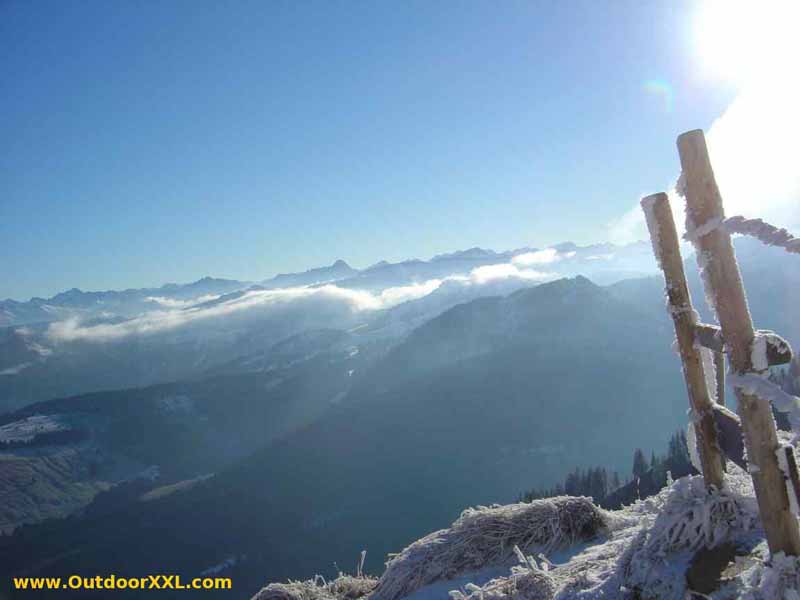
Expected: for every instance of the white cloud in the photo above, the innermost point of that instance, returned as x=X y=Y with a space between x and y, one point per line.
x=174 y=303
x=177 y=315
x=404 y=293
x=609 y=256
x=164 y=320
x=540 y=257
x=753 y=149
x=490 y=273
x=631 y=226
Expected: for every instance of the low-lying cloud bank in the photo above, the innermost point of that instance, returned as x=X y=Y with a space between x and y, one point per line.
x=540 y=257
x=177 y=314
x=175 y=303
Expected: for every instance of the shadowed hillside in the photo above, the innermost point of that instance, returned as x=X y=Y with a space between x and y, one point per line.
x=490 y=397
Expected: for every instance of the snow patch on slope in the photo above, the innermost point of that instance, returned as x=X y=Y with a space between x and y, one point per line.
x=26 y=429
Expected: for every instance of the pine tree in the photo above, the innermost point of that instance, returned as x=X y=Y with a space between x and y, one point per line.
x=572 y=483
x=600 y=484
x=639 y=463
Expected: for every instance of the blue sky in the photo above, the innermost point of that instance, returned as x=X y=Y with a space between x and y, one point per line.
x=146 y=142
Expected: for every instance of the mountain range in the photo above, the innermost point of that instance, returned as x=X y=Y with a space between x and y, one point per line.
x=490 y=394
x=78 y=342
x=293 y=431
x=77 y=303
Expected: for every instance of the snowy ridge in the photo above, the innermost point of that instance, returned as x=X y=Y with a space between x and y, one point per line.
x=644 y=546
x=486 y=536
x=641 y=551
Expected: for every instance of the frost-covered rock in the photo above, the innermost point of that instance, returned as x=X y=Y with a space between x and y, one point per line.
x=763 y=578
x=344 y=587
x=524 y=583
x=488 y=536
x=641 y=551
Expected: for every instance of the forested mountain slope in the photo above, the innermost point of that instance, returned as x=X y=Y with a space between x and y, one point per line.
x=478 y=404
x=55 y=455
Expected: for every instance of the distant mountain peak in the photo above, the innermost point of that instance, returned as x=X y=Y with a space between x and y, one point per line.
x=338 y=270
x=581 y=280
x=70 y=292
x=565 y=247
x=377 y=265
x=559 y=289
x=209 y=279
x=474 y=252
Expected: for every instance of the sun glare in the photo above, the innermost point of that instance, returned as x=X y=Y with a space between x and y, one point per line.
x=739 y=41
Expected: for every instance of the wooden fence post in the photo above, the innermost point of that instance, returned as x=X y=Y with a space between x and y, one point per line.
x=719 y=367
x=668 y=254
x=723 y=284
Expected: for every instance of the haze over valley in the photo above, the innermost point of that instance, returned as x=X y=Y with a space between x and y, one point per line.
x=328 y=403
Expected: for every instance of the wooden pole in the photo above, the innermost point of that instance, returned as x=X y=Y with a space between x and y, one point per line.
x=719 y=366
x=668 y=253
x=723 y=285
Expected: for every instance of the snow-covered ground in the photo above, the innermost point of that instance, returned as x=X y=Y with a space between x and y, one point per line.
x=16 y=369
x=568 y=549
x=26 y=429
x=641 y=551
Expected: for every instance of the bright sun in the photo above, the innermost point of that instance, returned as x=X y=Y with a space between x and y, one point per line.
x=742 y=41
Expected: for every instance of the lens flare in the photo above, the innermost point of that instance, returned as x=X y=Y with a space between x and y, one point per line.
x=662 y=89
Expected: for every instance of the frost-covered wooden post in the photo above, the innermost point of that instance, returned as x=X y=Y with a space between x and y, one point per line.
x=719 y=368
x=668 y=254
x=723 y=284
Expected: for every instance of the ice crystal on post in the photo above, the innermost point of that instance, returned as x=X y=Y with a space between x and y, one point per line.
x=648 y=205
x=764 y=232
